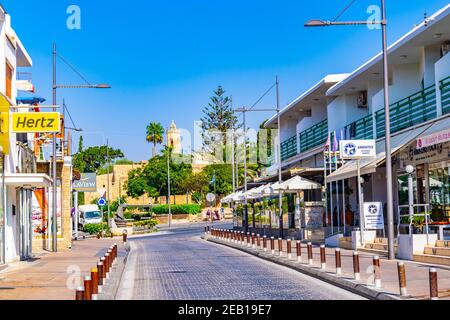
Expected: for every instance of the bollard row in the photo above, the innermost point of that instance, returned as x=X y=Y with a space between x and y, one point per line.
x=93 y=283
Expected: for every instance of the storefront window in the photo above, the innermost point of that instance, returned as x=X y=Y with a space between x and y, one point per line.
x=439 y=182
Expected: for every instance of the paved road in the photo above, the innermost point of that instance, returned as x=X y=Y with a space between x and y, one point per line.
x=180 y=266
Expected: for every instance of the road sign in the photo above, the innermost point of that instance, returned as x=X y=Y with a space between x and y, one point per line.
x=36 y=122
x=101 y=202
x=357 y=149
x=87 y=183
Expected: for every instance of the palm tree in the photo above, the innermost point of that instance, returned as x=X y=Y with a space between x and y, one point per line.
x=155 y=134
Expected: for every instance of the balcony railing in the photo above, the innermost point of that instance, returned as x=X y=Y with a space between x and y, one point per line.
x=412 y=110
x=314 y=136
x=360 y=129
x=289 y=148
x=445 y=95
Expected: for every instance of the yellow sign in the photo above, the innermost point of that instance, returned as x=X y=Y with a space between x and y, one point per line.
x=35 y=122
x=4 y=125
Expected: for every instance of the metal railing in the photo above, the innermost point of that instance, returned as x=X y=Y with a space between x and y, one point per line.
x=425 y=214
x=415 y=109
x=289 y=148
x=445 y=95
x=314 y=136
x=360 y=129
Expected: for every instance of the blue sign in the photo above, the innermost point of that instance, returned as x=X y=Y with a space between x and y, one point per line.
x=101 y=202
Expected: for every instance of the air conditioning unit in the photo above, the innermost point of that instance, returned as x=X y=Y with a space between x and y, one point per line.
x=362 y=99
x=445 y=48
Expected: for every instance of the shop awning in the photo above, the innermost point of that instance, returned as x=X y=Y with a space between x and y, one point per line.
x=398 y=142
x=28 y=180
x=27 y=97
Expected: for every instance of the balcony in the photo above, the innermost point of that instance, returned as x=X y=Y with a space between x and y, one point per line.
x=361 y=129
x=412 y=110
x=445 y=95
x=314 y=136
x=289 y=148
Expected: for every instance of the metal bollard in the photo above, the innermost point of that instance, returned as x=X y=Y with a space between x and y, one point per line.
x=253 y=241
x=108 y=265
x=356 y=265
x=265 y=243
x=104 y=269
x=100 y=276
x=402 y=278
x=323 y=257
x=124 y=236
x=243 y=238
x=79 y=294
x=289 y=253
x=280 y=246
x=205 y=231
x=434 y=291
x=272 y=244
x=248 y=239
x=87 y=288
x=258 y=241
x=377 y=271
x=94 y=277
x=310 y=253
x=337 y=258
x=299 y=251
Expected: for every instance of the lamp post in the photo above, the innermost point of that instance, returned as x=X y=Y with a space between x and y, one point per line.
x=56 y=86
x=383 y=23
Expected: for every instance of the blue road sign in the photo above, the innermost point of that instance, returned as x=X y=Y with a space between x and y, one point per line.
x=101 y=202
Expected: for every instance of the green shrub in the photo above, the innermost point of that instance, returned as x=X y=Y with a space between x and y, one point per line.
x=96 y=228
x=150 y=224
x=178 y=209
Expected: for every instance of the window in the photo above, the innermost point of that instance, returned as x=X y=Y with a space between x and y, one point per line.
x=9 y=75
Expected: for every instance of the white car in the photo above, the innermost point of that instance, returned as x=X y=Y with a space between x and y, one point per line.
x=89 y=214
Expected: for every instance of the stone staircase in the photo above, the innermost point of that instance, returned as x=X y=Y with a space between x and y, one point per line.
x=438 y=254
x=346 y=243
x=379 y=246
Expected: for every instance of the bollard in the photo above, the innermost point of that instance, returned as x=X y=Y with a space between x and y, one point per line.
x=124 y=236
x=87 y=288
x=337 y=256
x=234 y=236
x=356 y=265
x=299 y=251
x=108 y=265
x=253 y=240
x=111 y=257
x=265 y=243
x=94 y=277
x=280 y=246
x=79 y=294
x=402 y=278
x=289 y=252
x=205 y=231
x=310 y=253
x=272 y=244
x=258 y=241
x=434 y=292
x=208 y=229
x=377 y=271
x=323 y=257
x=100 y=276
x=104 y=268
x=248 y=239
x=243 y=238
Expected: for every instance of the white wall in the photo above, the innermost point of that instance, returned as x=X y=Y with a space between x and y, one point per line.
x=344 y=110
x=288 y=129
x=431 y=55
x=318 y=114
x=11 y=227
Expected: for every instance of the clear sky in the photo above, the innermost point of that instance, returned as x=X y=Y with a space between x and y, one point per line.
x=164 y=58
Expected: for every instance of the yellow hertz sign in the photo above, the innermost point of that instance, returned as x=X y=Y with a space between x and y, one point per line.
x=36 y=122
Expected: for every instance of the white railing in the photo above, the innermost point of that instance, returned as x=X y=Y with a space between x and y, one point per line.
x=425 y=214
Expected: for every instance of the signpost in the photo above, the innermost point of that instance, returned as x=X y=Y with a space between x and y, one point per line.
x=101 y=202
x=210 y=197
x=357 y=150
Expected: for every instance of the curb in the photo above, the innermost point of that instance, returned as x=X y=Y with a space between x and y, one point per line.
x=346 y=284
x=115 y=276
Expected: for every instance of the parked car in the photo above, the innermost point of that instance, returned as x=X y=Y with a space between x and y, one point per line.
x=89 y=214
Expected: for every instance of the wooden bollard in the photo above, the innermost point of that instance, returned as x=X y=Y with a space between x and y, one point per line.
x=272 y=244
x=258 y=241
x=402 y=278
x=94 y=277
x=79 y=293
x=288 y=245
x=310 y=253
x=124 y=236
x=248 y=239
x=356 y=265
x=243 y=238
x=104 y=268
x=337 y=258
x=323 y=257
x=265 y=243
x=434 y=291
x=108 y=265
x=253 y=241
x=87 y=288
x=377 y=271
x=280 y=246
x=299 y=250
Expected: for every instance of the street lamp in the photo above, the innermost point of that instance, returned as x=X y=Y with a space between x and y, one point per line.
x=244 y=110
x=383 y=23
x=54 y=174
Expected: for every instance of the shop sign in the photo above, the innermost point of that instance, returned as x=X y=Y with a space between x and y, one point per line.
x=373 y=215
x=358 y=149
x=433 y=139
x=35 y=122
x=87 y=183
x=430 y=154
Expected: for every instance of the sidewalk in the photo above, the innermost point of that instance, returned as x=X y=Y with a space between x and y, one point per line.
x=46 y=277
x=416 y=273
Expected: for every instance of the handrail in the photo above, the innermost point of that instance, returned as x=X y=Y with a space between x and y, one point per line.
x=363 y=128
x=313 y=136
x=411 y=217
x=289 y=148
x=445 y=94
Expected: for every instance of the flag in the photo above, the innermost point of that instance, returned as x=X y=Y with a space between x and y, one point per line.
x=213 y=180
x=335 y=143
x=327 y=144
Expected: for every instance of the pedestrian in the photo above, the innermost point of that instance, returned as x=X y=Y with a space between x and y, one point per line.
x=222 y=211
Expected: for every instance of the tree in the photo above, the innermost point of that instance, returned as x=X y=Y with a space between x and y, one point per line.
x=218 y=116
x=155 y=135
x=94 y=158
x=80 y=144
x=268 y=146
x=223 y=181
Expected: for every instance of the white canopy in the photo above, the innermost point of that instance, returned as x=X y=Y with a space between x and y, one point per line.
x=271 y=189
x=298 y=183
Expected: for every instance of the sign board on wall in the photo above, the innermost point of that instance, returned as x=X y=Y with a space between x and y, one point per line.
x=87 y=183
x=433 y=139
x=373 y=215
x=24 y=122
x=357 y=149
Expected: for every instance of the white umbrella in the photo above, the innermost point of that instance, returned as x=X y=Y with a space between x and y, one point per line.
x=257 y=192
x=238 y=196
x=298 y=183
x=271 y=189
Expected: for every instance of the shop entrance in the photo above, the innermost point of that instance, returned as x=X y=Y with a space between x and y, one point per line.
x=25 y=223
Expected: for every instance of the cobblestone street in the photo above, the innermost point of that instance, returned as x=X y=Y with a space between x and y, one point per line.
x=180 y=265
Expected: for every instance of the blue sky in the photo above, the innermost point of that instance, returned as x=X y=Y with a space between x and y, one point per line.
x=164 y=58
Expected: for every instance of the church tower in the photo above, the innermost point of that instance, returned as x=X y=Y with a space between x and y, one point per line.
x=173 y=138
